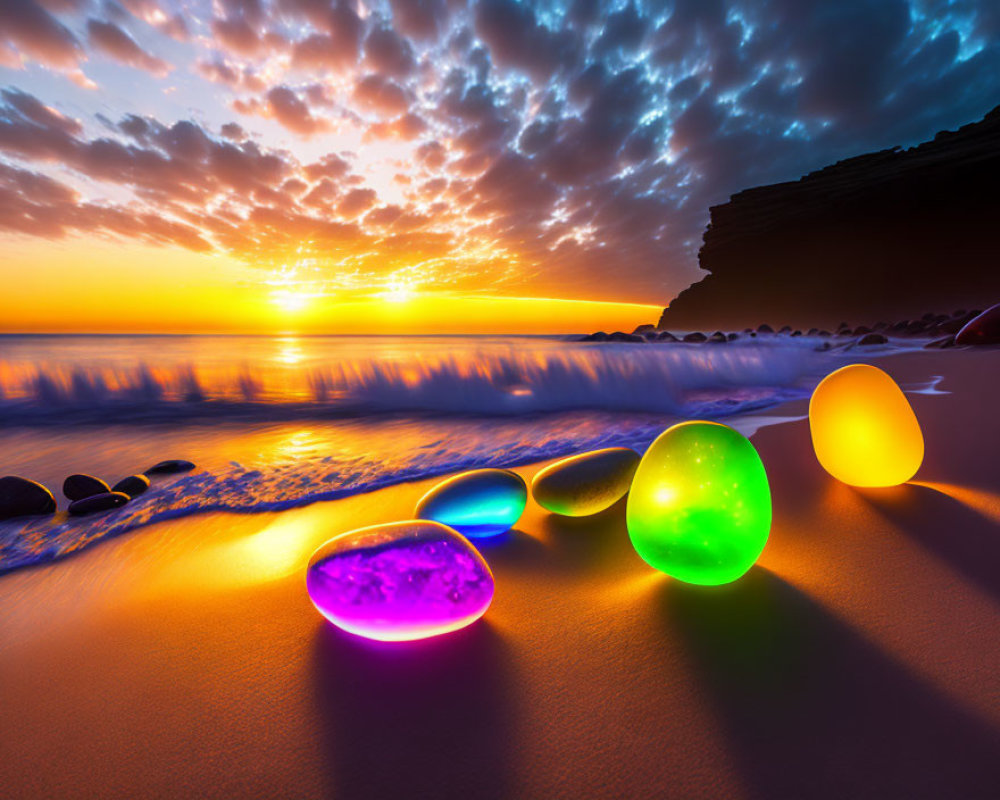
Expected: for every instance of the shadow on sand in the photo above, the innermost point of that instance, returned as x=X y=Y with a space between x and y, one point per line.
x=812 y=710
x=430 y=718
x=958 y=535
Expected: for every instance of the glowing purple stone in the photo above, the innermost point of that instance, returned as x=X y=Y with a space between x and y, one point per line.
x=404 y=580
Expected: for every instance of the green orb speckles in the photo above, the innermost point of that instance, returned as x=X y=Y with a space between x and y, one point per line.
x=700 y=504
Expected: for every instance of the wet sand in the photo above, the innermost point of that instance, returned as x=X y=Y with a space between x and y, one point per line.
x=858 y=659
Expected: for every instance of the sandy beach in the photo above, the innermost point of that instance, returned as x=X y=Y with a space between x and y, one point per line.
x=859 y=658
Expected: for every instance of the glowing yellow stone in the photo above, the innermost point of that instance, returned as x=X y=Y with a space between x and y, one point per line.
x=863 y=429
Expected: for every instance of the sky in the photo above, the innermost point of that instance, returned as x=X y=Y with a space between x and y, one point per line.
x=430 y=165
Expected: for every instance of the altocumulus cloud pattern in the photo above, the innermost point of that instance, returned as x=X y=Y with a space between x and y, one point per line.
x=531 y=146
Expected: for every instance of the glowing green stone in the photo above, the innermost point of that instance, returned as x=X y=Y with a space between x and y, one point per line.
x=700 y=504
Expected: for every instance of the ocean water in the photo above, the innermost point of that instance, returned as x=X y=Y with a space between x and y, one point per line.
x=276 y=422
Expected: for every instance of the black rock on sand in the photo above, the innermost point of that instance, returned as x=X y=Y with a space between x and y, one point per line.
x=170 y=467
x=20 y=497
x=77 y=487
x=98 y=502
x=133 y=485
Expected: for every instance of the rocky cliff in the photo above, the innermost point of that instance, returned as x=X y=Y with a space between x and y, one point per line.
x=888 y=235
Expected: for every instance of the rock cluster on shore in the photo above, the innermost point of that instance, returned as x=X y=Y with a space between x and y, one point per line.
x=961 y=327
x=21 y=497
x=886 y=234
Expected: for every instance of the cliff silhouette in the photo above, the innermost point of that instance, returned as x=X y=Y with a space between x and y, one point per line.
x=888 y=235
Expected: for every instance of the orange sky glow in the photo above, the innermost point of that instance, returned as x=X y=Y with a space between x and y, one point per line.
x=95 y=286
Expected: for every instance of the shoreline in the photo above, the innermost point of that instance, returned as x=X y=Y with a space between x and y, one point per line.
x=860 y=648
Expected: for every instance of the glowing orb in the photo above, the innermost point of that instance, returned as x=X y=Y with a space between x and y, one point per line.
x=863 y=429
x=482 y=502
x=401 y=581
x=587 y=483
x=700 y=504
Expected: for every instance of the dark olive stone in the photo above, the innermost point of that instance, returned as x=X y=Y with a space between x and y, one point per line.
x=170 y=467
x=76 y=487
x=666 y=336
x=695 y=337
x=765 y=328
x=20 y=497
x=718 y=338
x=133 y=485
x=98 y=502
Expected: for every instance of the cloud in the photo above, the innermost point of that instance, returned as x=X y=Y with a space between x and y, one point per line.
x=289 y=110
x=109 y=39
x=375 y=92
x=31 y=29
x=552 y=145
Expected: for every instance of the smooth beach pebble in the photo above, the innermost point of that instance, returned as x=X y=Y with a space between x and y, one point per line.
x=984 y=329
x=133 y=485
x=587 y=483
x=700 y=504
x=170 y=467
x=98 y=502
x=76 y=487
x=20 y=497
x=863 y=429
x=401 y=581
x=483 y=502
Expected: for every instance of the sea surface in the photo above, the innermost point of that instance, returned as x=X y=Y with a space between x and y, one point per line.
x=280 y=421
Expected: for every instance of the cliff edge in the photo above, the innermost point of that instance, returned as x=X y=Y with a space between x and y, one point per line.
x=887 y=235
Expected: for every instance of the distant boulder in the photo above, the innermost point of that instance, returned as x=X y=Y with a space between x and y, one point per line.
x=665 y=336
x=20 y=497
x=765 y=328
x=984 y=329
x=872 y=338
x=641 y=330
x=619 y=336
x=170 y=467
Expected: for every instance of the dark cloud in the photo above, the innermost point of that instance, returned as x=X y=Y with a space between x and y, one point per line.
x=389 y=54
x=108 y=38
x=34 y=31
x=288 y=109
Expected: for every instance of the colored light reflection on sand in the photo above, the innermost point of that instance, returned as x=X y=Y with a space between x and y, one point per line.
x=981 y=501
x=863 y=429
x=401 y=581
x=700 y=505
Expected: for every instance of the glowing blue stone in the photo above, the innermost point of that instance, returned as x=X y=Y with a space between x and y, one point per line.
x=483 y=502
